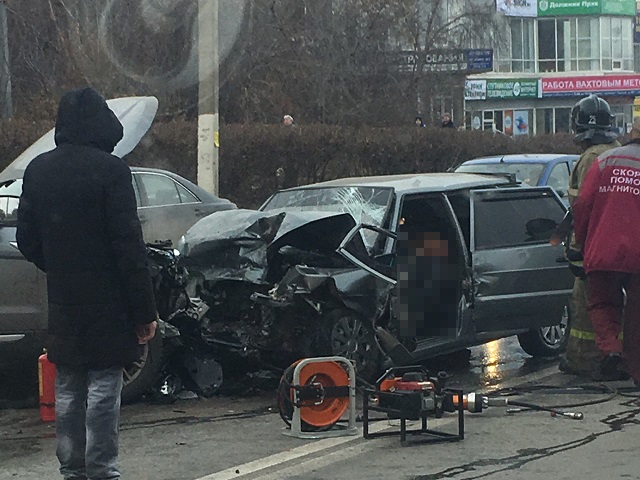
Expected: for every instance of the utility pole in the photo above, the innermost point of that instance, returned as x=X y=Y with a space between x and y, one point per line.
x=208 y=117
x=6 y=105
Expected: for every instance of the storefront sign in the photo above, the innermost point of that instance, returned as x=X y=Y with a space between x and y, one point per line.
x=636 y=107
x=556 y=8
x=515 y=88
x=518 y=8
x=455 y=60
x=475 y=89
x=602 y=84
x=479 y=60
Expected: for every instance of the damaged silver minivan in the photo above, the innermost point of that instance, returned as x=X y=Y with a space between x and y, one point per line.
x=433 y=262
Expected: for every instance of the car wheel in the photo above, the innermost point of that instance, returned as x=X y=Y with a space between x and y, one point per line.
x=547 y=341
x=140 y=376
x=345 y=333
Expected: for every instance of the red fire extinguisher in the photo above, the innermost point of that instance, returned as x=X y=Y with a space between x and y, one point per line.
x=47 y=387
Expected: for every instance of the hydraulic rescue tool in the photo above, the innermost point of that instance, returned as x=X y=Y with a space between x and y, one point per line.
x=410 y=393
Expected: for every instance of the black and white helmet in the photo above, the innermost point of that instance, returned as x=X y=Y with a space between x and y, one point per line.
x=591 y=112
x=591 y=118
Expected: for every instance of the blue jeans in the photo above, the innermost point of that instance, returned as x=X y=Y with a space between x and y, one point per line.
x=87 y=418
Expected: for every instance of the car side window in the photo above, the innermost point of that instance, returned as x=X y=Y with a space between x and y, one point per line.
x=186 y=196
x=136 y=190
x=514 y=218
x=559 y=177
x=160 y=190
x=461 y=205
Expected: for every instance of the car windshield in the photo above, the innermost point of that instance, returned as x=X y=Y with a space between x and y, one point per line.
x=528 y=173
x=366 y=204
x=8 y=201
x=11 y=188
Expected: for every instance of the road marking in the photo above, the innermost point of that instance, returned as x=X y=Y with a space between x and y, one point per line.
x=318 y=446
x=293 y=454
x=315 y=463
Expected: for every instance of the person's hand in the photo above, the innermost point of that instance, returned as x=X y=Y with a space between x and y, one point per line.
x=146 y=332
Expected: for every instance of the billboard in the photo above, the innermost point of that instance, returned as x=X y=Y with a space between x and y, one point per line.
x=518 y=8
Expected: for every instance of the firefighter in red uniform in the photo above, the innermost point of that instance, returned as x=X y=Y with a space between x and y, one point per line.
x=606 y=220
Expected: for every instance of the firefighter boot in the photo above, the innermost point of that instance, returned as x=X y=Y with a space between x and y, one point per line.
x=583 y=356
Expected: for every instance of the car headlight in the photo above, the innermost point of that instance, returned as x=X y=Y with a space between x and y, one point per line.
x=182 y=246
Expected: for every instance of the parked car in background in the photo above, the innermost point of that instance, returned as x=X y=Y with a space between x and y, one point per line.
x=167 y=206
x=532 y=169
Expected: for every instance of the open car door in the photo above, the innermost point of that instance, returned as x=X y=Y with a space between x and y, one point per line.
x=520 y=280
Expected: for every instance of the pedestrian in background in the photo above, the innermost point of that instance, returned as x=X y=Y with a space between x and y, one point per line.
x=77 y=221
x=591 y=121
x=607 y=214
x=419 y=122
x=447 y=122
x=287 y=120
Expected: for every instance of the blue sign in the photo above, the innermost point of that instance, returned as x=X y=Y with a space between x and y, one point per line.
x=479 y=60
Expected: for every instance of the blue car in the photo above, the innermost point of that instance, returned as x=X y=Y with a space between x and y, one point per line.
x=533 y=169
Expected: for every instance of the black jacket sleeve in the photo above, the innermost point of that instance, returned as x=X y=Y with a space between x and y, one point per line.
x=28 y=234
x=125 y=238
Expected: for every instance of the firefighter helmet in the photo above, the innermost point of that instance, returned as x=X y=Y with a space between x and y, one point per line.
x=591 y=113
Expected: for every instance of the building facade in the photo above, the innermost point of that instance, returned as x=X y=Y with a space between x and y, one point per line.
x=554 y=53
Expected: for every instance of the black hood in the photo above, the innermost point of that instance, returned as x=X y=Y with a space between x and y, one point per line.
x=85 y=119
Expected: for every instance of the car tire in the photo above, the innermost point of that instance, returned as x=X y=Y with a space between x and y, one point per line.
x=547 y=341
x=345 y=333
x=140 y=376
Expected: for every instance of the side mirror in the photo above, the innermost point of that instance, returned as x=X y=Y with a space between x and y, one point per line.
x=9 y=210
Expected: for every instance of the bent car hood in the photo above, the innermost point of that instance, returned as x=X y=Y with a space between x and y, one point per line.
x=135 y=113
x=243 y=244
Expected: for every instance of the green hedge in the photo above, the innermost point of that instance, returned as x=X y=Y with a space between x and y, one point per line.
x=251 y=155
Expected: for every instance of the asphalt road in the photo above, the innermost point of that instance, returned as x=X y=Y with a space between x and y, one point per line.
x=228 y=438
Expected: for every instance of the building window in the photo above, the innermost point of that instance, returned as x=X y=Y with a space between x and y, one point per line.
x=552 y=120
x=551 y=47
x=582 y=37
x=519 y=55
x=617 y=43
x=577 y=44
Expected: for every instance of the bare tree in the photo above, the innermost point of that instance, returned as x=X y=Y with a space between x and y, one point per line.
x=335 y=61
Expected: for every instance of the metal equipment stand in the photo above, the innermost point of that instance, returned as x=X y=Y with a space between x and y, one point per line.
x=407 y=404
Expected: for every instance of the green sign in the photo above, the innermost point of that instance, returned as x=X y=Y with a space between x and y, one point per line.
x=619 y=7
x=559 y=8
x=512 y=88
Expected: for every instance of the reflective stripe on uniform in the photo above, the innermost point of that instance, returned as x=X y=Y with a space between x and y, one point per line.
x=583 y=335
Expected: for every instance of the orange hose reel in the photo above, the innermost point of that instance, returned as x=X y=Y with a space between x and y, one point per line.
x=321 y=394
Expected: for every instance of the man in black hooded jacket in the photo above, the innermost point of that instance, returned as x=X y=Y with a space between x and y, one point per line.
x=77 y=221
